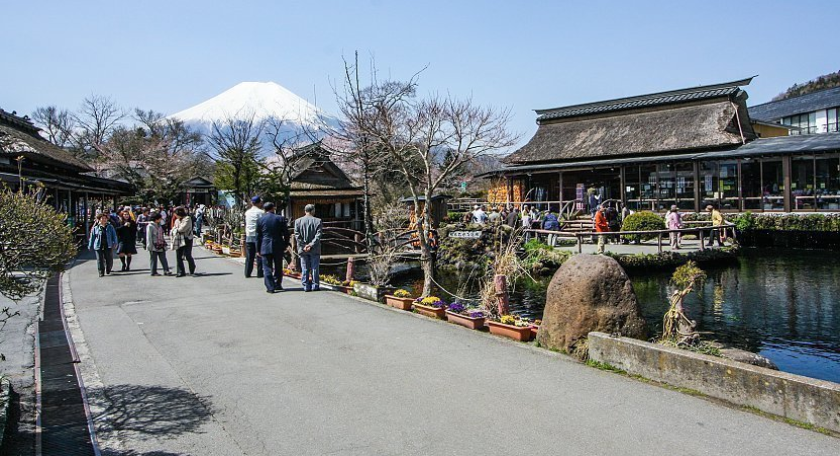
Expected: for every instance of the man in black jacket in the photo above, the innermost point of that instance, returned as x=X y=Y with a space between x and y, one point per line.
x=272 y=240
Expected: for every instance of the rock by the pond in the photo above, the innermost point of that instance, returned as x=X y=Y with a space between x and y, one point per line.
x=589 y=293
x=743 y=356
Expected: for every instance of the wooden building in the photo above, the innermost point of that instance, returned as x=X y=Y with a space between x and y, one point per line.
x=26 y=158
x=688 y=147
x=319 y=181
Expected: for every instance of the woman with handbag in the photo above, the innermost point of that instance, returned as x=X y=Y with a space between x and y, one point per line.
x=182 y=235
x=156 y=244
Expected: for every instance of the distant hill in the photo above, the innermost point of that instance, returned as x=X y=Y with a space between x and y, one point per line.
x=826 y=81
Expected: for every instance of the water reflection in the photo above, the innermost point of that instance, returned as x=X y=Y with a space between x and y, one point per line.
x=779 y=303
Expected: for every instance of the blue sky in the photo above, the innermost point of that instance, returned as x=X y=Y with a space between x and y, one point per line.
x=522 y=55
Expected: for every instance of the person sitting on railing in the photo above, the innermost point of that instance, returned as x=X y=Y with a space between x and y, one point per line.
x=601 y=226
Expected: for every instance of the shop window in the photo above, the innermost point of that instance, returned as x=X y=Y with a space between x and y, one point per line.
x=632 y=188
x=772 y=185
x=685 y=186
x=802 y=183
x=667 y=180
x=827 y=189
x=751 y=184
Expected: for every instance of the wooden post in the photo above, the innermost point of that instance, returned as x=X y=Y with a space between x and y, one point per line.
x=700 y=236
x=294 y=256
x=351 y=269
x=358 y=242
x=500 y=283
x=580 y=243
x=659 y=241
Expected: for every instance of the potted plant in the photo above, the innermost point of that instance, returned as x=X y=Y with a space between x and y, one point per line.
x=535 y=326
x=431 y=306
x=511 y=326
x=401 y=299
x=332 y=282
x=289 y=273
x=468 y=317
x=372 y=292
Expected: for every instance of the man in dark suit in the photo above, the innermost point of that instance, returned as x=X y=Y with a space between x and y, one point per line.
x=272 y=240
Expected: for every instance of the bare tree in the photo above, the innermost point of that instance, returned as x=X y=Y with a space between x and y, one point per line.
x=236 y=146
x=157 y=156
x=98 y=117
x=56 y=123
x=416 y=133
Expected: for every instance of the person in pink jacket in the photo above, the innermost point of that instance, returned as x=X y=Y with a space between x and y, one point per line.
x=673 y=220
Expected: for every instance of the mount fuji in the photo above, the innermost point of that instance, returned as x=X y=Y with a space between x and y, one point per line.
x=264 y=101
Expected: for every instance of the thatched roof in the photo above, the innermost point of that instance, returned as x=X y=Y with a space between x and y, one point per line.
x=684 y=120
x=20 y=137
x=316 y=171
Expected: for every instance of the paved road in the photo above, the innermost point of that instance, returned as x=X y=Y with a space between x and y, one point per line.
x=214 y=366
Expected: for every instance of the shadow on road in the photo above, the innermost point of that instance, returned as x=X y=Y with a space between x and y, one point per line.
x=137 y=453
x=153 y=410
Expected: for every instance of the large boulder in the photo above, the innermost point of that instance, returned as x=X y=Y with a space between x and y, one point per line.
x=589 y=293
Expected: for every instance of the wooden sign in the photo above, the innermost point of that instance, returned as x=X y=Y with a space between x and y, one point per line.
x=465 y=234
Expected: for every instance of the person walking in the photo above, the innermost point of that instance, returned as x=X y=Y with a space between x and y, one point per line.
x=252 y=215
x=272 y=241
x=551 y=223
x=182 y=235
x=156 y=244
x=512 y=217
x=308 y=239
x=143 y=221
x=601 y=226
x=126 y=240
x=479 y=216
x=717 y=223
x=674 y=222
x=103 y=239
x=199 y=218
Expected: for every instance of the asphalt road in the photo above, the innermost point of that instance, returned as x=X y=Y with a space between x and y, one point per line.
x=212 y=365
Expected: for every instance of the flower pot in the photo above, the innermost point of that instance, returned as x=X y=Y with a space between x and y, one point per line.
x=534 y=329
x=398 y=303
x=433 y=312
x=372 y=292
x=520 y=333
x=333 y=287
x=465 y=320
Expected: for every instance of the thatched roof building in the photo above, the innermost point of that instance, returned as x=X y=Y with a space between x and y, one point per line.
x=689 y=147
x=706 y=117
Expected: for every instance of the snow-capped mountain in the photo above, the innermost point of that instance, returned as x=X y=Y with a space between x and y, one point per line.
x=262 y=100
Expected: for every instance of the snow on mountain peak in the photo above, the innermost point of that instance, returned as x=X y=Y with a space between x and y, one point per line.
x=263 y=100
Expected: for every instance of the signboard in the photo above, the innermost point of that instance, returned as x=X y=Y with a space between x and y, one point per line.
x=580 y=196
x=465 y=234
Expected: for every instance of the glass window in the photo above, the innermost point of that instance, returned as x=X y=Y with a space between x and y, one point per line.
x=802 y=183
x=833 y=116
x=728 y=186
x=772 y=185
x=827 y=189
x=649 y=185
x=667 y=179
x=708 y=183
x=632 y=191
x=751 y=184
x=685 y=186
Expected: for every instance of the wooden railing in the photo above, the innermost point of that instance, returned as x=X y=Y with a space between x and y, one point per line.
x=701 y=231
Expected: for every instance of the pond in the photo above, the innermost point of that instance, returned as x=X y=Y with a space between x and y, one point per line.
x=781 y=304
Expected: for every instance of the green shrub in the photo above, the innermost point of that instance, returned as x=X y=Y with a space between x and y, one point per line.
x=642 y=221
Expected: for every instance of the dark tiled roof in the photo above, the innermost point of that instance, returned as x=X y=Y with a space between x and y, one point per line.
x=804 y=144
x=726 y=89
x=823 y=142
x=775 y=110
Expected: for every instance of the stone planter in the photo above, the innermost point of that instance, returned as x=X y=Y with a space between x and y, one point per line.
x=372 y=292
x=399 y=303
x=433 y=312
x=332 y=287
x=465 y=320
x=520 y=333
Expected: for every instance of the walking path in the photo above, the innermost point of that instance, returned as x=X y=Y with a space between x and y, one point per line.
x=212 y=365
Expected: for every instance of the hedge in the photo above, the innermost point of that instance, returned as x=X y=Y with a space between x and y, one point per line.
x=642 y=221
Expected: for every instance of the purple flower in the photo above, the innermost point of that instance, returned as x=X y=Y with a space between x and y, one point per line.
x=475 y=314
x=457 y=307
